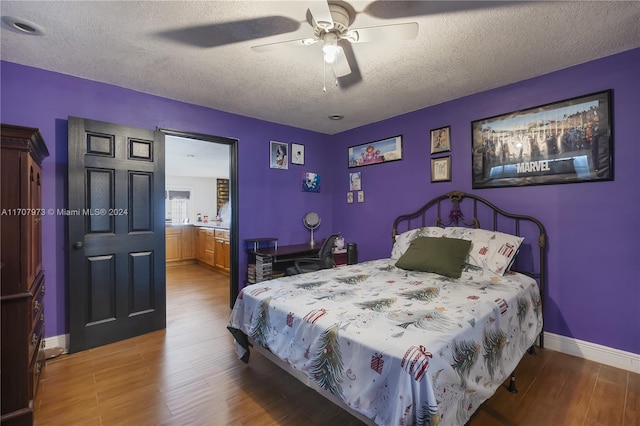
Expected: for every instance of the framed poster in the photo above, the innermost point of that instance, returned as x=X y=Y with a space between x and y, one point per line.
x=562 y=142
x=441 y=140
x=381 y=151
x=278 y=158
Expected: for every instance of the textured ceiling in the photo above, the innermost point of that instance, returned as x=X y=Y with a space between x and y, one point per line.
x=176 y=49
x=196 y=158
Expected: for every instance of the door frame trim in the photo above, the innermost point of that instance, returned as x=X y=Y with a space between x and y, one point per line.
x=234 y=284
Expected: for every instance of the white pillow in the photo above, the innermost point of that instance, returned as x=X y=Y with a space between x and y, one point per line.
x=490 y=250
x=404 y=240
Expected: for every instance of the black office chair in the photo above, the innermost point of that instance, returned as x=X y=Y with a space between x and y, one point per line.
x=310 y=264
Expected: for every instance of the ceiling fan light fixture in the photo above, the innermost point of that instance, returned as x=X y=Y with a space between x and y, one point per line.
x=330 y=48
x=330 y=55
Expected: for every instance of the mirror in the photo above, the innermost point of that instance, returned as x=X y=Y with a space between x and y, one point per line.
x=311 y=221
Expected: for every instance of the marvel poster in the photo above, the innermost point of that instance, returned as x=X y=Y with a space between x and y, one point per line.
x=564 y=142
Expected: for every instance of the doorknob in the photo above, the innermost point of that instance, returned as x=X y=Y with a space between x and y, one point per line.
x=78 y=245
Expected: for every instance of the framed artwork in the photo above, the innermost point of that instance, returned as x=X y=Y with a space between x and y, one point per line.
x=310 y=182
x=279 y=157
x=350 y=197
x=381 y=151
x=562 y=142
x=297 y=154
x=355 y=181
x=441 y=169
x=441 y=140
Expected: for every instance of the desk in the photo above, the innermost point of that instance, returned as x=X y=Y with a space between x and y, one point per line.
x=255 y=244
x=272 y=262
x=289 y=253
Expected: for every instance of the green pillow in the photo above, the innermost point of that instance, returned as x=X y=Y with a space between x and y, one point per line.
x=443 y=256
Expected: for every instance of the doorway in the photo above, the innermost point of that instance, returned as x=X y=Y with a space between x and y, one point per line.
x=201 y=202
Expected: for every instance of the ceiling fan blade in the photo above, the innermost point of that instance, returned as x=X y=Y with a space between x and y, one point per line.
x=321 y=14
x=355 y=77
x=392 y=32
x=284 y=44
x=341 y=65
x=212 y=35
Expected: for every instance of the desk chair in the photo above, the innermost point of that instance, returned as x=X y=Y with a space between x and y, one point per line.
x=310 y=264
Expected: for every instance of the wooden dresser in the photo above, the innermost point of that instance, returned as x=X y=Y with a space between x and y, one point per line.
x=22 y=277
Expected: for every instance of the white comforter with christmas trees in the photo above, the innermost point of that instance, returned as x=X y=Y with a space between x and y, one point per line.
x=400 y=347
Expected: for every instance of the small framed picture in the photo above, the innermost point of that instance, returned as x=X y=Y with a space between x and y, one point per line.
x=297 y=153
x=310 y=182
x=350 y=197
x=441 y=169
x=361 y=196
x=441 y=140
x=355 y=181
x=279 y=157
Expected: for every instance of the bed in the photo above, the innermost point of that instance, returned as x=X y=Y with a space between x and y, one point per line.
x=423 y=337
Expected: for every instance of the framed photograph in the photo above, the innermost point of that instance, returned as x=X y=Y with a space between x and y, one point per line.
x=381 y=151
x=562 y=142
x=355 y=181
x=310 y=182
x=350 y=197
x=441 y=140
x=279 y=156
x=297 y=154
x=441 y=169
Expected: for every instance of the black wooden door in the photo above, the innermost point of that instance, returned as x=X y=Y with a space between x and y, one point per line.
x=115 y=233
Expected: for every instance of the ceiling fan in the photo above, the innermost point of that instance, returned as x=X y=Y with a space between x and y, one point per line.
x=330 y=22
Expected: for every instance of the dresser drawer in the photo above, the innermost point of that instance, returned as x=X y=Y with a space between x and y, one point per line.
x=36 y=366
x=35 y=339
x=37 y=302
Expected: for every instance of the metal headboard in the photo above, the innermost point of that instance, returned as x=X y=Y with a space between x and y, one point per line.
x=469 y=210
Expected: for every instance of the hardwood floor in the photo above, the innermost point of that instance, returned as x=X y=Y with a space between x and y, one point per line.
x=188 y=374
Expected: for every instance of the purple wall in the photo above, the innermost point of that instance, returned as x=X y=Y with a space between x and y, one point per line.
x=594 y=228
x=271 y=201
x=593 y=291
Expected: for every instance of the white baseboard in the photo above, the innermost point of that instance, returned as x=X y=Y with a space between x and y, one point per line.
x=593 y=352
x=61 y=341
x=580 y=348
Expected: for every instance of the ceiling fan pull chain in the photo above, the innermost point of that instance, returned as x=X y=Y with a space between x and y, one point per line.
x=324 y=76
